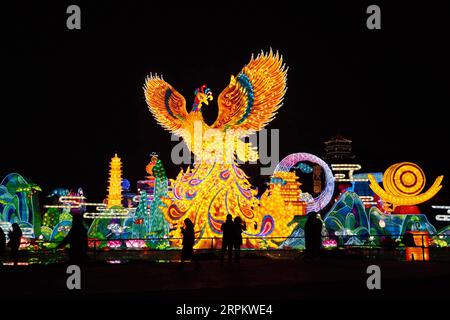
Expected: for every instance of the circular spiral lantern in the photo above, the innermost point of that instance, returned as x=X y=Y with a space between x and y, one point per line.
x=324 y=198
x=404 y=179
x=403 y=183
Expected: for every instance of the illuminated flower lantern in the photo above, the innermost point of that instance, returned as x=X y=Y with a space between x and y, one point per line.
x=215 y=186
x=403 y=183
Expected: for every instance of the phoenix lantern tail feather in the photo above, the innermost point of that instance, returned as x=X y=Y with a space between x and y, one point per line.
x=216 y=186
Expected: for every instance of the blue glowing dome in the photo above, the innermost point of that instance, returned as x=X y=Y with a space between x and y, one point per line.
x=125 y=185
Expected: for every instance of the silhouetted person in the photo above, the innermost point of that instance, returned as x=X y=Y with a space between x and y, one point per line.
x=2 y=243
x=227 y=238
x=14 y=235
x=313 y=235
x=239 y=226
x=187 y=252
x=408 y=239
x=78 y=240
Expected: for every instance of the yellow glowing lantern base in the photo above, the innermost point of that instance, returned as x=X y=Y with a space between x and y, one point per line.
x=290 y=191
x=206 y=194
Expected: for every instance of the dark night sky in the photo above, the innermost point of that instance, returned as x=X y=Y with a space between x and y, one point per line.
x=73 y=98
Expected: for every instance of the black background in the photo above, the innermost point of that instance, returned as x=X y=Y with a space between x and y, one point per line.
x=72 y=98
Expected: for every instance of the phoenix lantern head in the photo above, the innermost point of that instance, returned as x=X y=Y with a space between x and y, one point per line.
x=202 y=95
